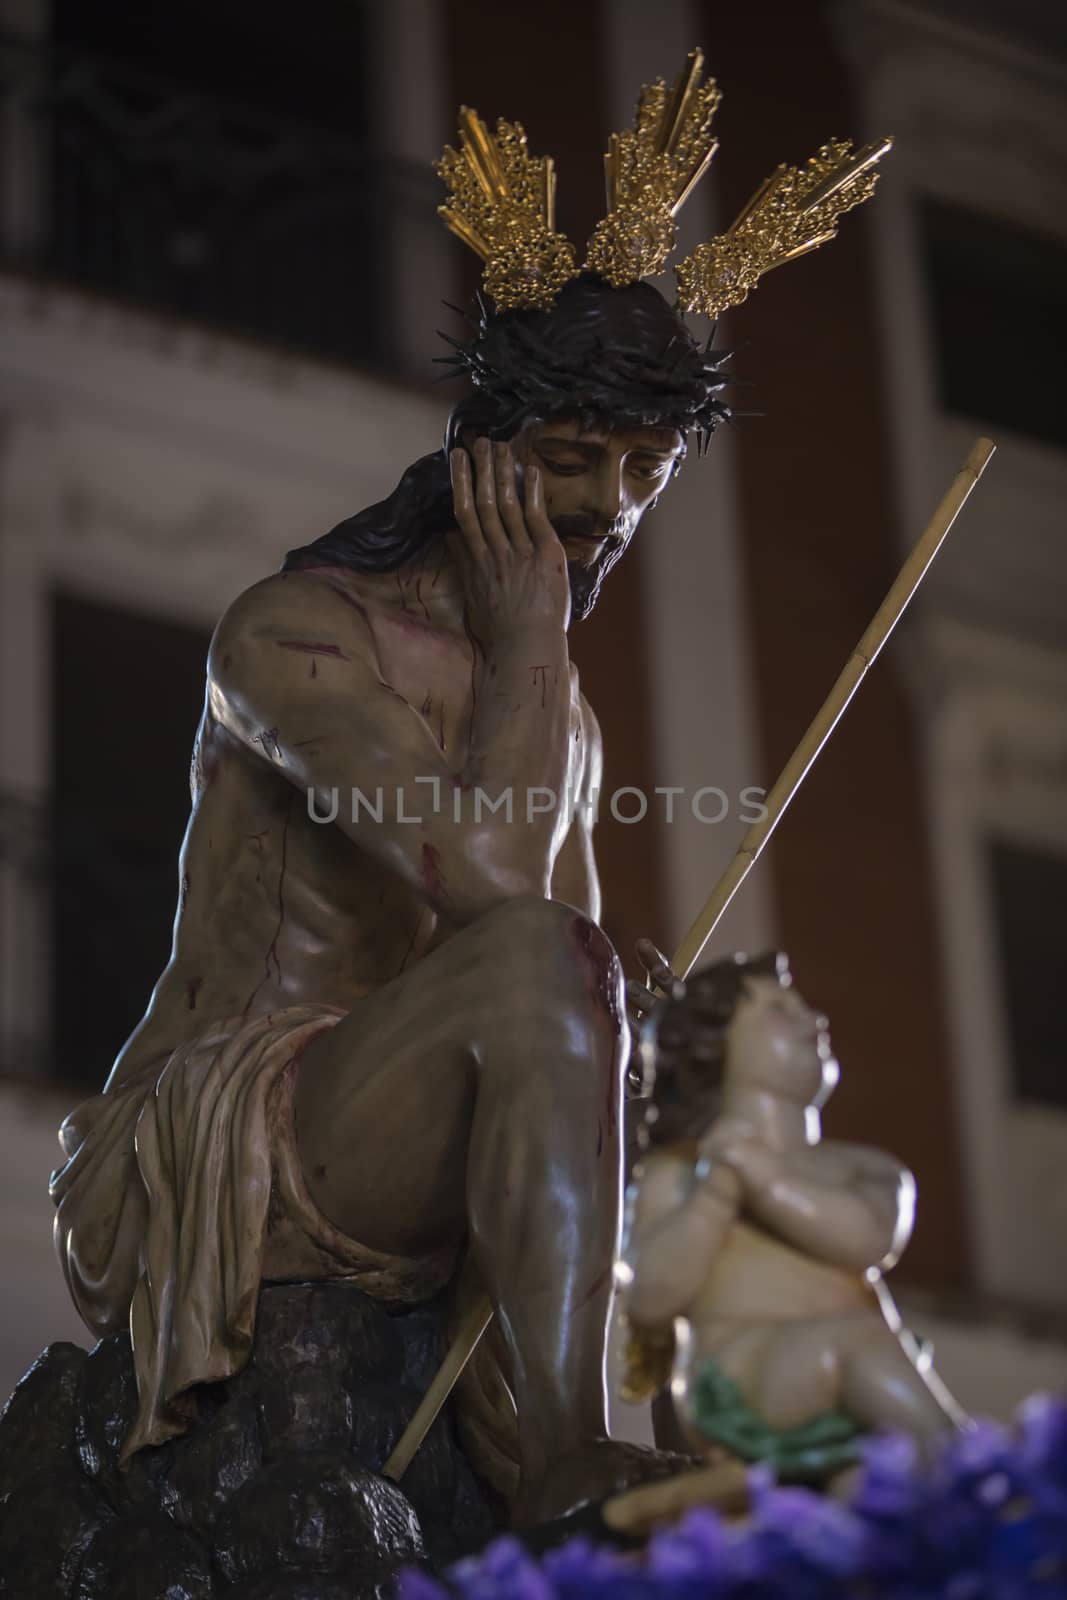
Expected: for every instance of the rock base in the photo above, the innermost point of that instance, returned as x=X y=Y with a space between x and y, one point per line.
x=274 y=1494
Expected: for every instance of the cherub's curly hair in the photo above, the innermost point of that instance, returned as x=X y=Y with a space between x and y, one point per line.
x=602 y=354
x=683 y=1046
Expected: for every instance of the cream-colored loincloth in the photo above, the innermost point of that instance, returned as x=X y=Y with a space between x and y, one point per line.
x=183 y=1191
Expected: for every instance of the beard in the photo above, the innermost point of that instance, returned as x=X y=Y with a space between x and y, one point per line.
x=585 y=578
x=585 y=581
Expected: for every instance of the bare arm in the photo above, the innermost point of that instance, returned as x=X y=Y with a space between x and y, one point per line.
x=678 y=1219
x=343 y=728
x=845 y=1204
x=574 y=878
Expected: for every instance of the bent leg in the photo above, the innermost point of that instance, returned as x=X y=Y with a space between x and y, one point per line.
x=483 y=1090
x=884 y=1389
x=855 y=1364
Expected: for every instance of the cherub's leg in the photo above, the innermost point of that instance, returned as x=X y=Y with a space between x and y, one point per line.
x=483 y=1090
x=795 y=1373
x=852 y=1363
x=882 y=1387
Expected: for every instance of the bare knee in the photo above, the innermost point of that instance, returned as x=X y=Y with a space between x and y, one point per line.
x=543 y=950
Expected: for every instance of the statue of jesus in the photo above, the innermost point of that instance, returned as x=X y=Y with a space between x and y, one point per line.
x=399 y=1033
x=391 y=1031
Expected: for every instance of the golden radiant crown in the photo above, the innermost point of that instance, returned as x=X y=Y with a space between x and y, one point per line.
x=502 y=203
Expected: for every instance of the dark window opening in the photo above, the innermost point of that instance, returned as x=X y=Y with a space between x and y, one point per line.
x=1029 y=892
x=127 y=695
x=216 y=162
x=998 y=297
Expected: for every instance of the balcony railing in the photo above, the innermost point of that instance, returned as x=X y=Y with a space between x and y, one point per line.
x=158 y=195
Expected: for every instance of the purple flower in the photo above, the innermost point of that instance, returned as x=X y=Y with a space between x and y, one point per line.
x=1042 y=1424
x=889 y=1484
x=415 y=1585
x=690 y=1561
x=986 y=1520
x=581 y=1570
x=504 y=1571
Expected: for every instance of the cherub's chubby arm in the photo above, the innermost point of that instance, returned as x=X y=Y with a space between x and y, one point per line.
x=679 y=1214
x=293 y=676
x=846 y=1204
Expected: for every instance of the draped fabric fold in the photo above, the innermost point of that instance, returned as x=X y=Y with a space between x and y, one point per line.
x=183 y=1191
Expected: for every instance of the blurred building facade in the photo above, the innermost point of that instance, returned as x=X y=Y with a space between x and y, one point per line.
x=222 y=275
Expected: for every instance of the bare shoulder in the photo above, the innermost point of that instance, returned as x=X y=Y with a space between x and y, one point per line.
x=304 y=611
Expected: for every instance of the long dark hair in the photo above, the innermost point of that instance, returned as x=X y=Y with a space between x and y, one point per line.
x=621 y=356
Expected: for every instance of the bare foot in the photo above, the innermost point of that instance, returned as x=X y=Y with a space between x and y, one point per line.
x=592 y=1472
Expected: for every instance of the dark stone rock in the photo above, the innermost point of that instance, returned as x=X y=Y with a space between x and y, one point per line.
x=424 y=1341
x=107 y=1405
x=144 y=1556
x=330 y=1326
x=309 y=1411
x=290 y=1586
x=211 y=1463
x=107 y=1400
x=46 y=1523
x=312 y=1513
x=478 y=1514
x=37 y=1423
x=274 y=1489
x=430 y=1480
x=377 y=1425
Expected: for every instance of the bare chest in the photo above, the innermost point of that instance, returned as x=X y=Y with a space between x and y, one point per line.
x=442 y=675
x=433 y=669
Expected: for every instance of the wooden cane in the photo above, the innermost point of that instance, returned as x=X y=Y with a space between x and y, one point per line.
x=833 y=707
x=752 y=845
x=468 y=1337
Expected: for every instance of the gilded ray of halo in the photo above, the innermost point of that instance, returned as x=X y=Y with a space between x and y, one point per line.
x=502 y=206
x=650 y=171
x=796 y=210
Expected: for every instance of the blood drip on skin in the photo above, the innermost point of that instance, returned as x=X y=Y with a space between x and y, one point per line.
x=311 y=647
x=272 y=948
x=599 y=1282
x=192 y=989
x=431 y=871
x=595 y=951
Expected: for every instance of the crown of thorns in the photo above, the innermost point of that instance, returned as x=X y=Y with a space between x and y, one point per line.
x=522 y=370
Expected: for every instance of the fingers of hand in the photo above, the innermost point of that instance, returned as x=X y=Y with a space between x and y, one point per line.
x=640 y=999
x=657 y=966
x=485 y=499
x=463 y=502
x=542 y=533
x=507 y=497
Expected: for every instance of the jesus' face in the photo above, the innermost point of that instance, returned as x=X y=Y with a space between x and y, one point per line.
x=598 y=483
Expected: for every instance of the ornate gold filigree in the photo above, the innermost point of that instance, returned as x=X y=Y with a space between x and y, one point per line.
x=502 y=206
x=795 y=211
x=651 y=170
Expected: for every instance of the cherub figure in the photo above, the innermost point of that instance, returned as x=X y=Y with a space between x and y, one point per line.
x=754 y=1250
